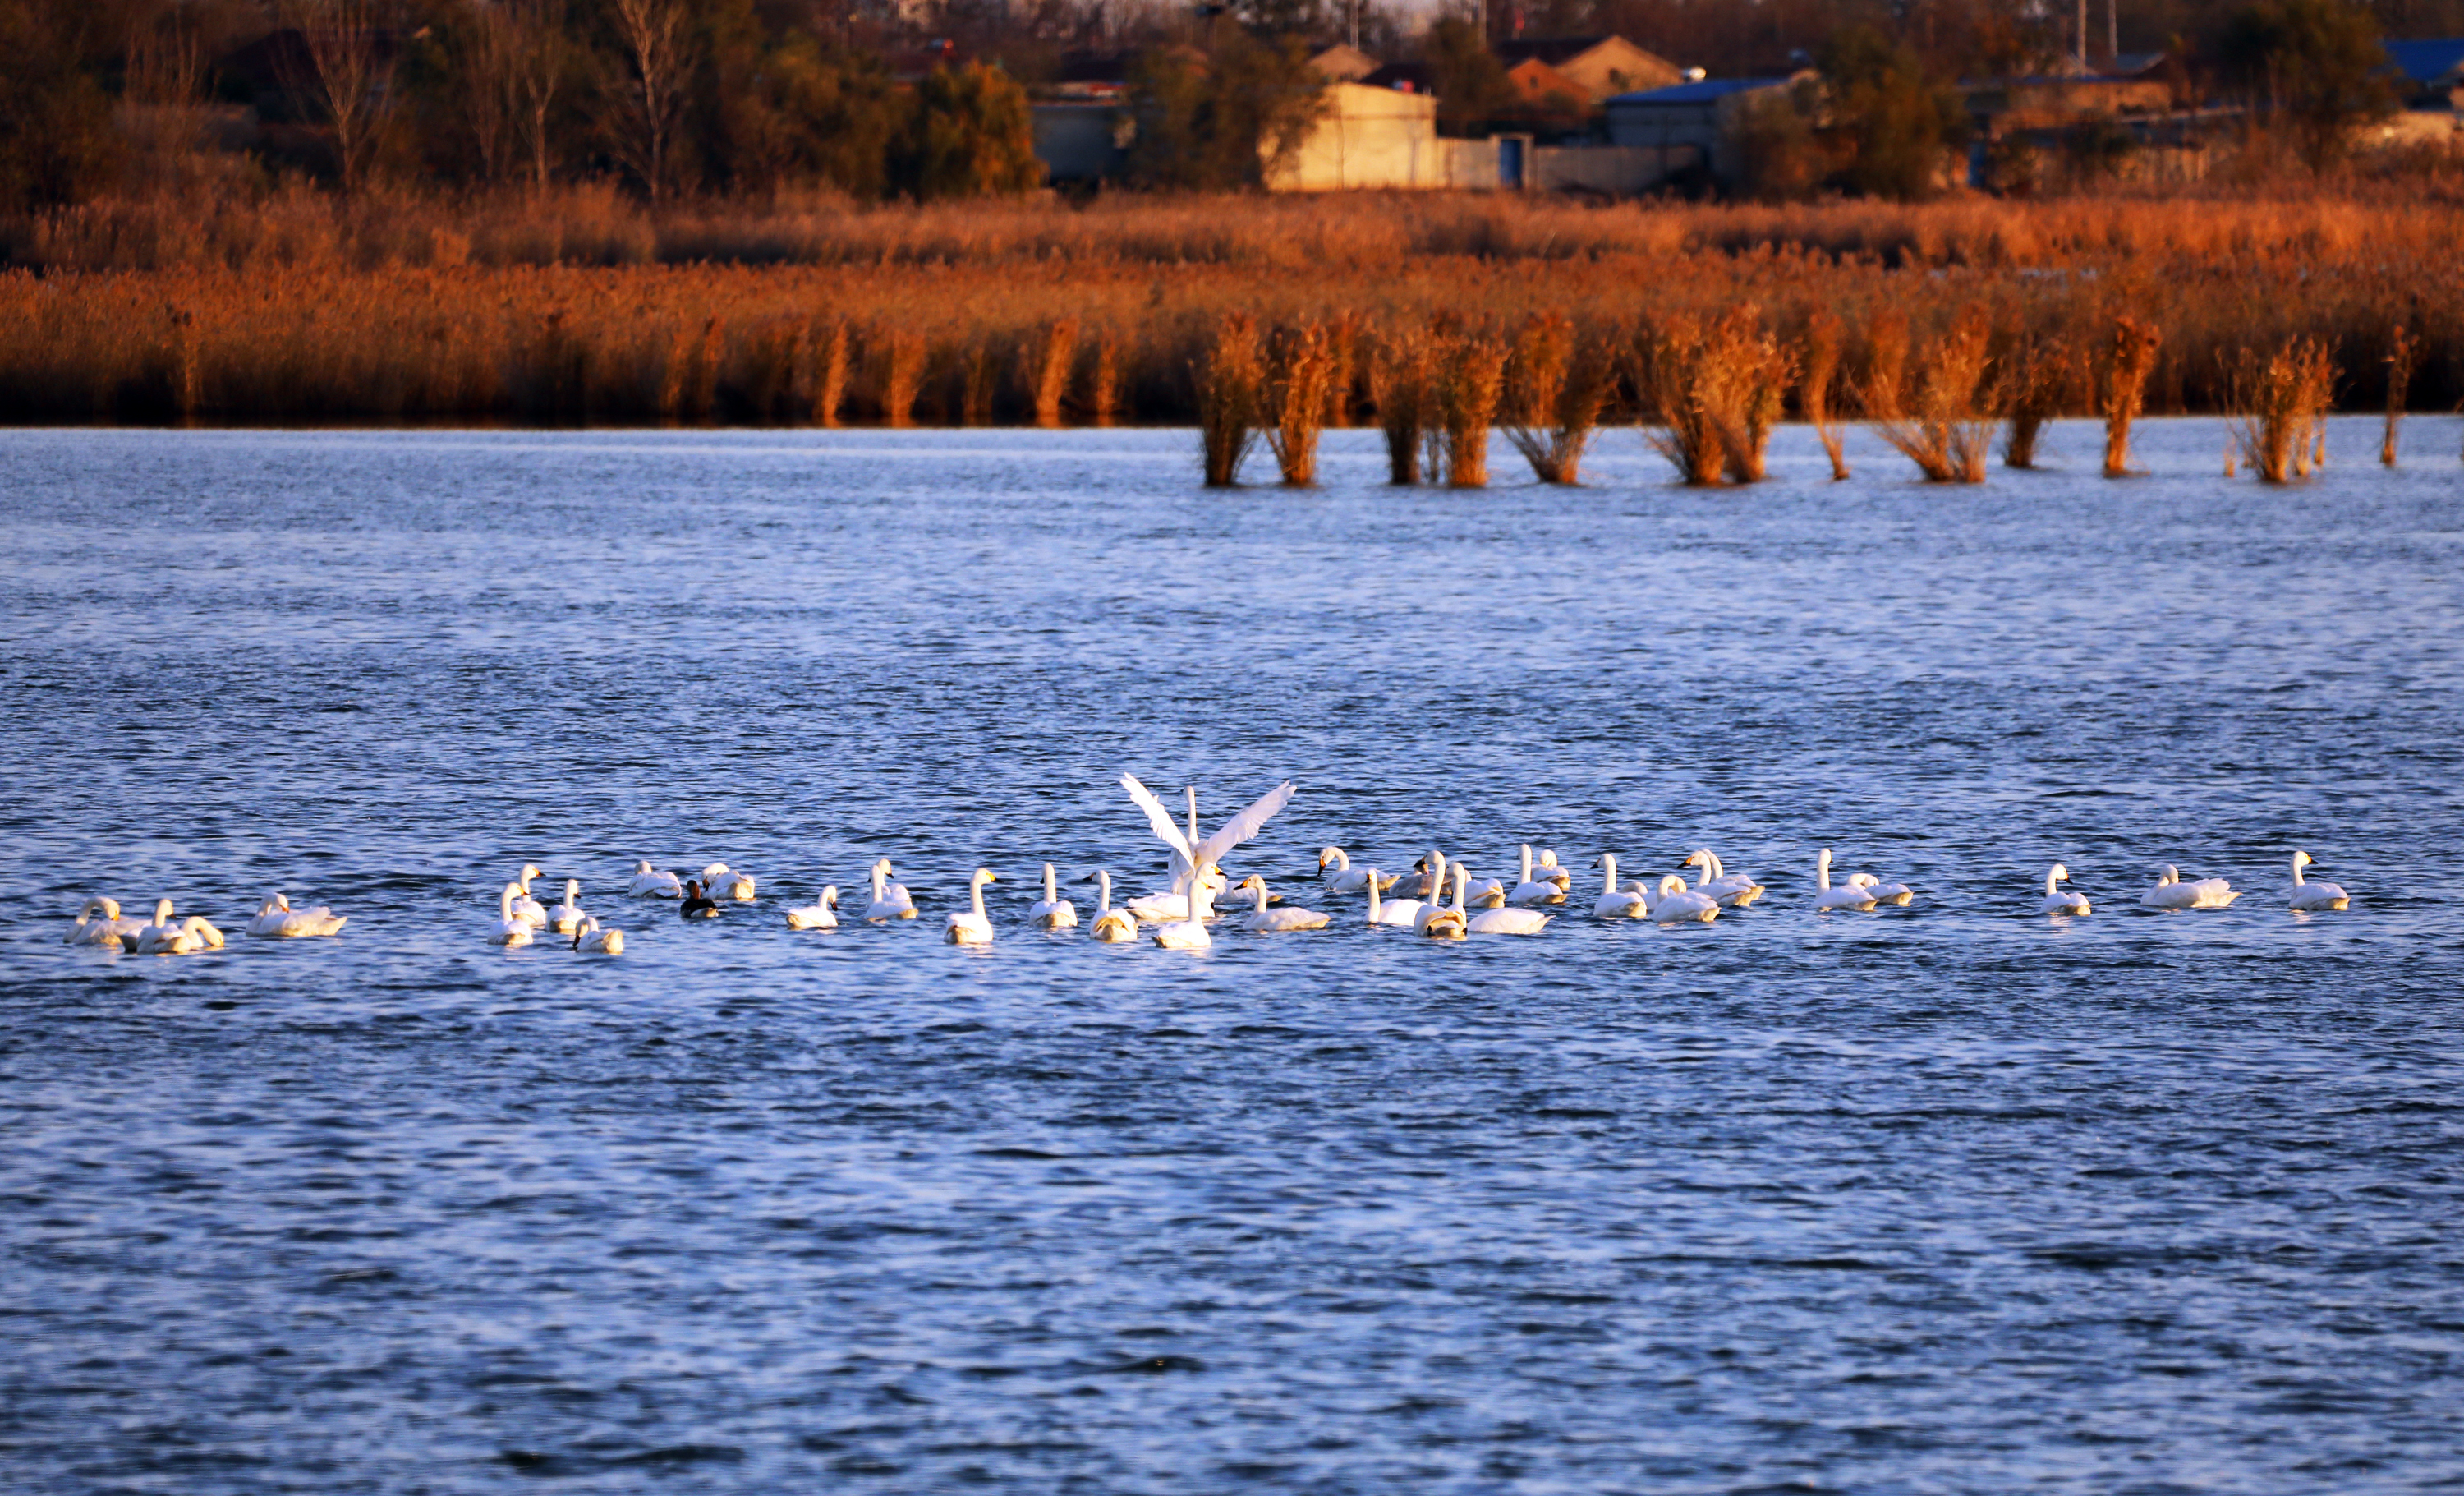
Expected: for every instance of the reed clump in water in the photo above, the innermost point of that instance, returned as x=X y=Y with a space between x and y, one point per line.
x=2280 y=418
x=830 y=361
x=2401 y=354
x=1718 y=387
x=899 y=351
x=1050 y=358
x=1104 y=380
x=1304 y=368
x=2129 y=357
x=1231 y=387
x=1818 y=352
x=1399 y=383
x=2036 y=379
x=1948 y=430
x=1467 y=379
x=1557 y=384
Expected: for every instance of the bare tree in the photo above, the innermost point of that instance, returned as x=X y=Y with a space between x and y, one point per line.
x=656 y=37
x=348 y=73
x=540 y=64
x=512 y=63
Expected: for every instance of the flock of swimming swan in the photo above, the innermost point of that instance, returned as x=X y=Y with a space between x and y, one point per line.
x=1177 y=916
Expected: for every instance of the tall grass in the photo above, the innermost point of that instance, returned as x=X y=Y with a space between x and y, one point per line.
x=1818 y=351
x=1467 y=379
x=1719 y=387
x=1231 y=385
x=2399 y=357
x=2129 y=357
x=1949 y=431
x=2279 y=422
x=1050 y=360
x=2038 y=373
x=1398 y=382
x=1555 y=387
x=1304 y=369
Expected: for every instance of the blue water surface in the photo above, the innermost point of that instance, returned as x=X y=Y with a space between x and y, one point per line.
x=1949 y=1198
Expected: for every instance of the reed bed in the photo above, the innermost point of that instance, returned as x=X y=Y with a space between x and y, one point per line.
x=1231 y=390
x=2129 y=357
x=304 y=310
x=1948 y=429
x=2279 y=410
x=1303 y=372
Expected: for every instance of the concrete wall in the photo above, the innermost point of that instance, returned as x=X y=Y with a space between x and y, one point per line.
x=1380 y=138
x=1611 y=170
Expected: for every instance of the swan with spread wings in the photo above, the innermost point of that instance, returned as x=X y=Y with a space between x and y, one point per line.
x=1196 y=858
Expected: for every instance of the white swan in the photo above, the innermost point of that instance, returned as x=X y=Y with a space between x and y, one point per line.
x=2169 y=892
x=1269 y=921
x=1613 y=902
x=105 y=930
x=162 y=937
x=1735 y=889
x=1497 y=920
x=1111 y=925
x=526 y=908
x=890 y=900
x=1672 y=902
x=650 y=882
x=1898 y=894
x=821 y=914
x=2313 y=897
x=1052 y=912
x=719 y=881
x=1535 y=891
x=1437 y=921
x=1412 y=911
x=1401 y=911
x=157 y=933
x=1549 y=867
x=592 y=941
x=277 y=919
x=970 y=926
x=1848 y=896
x=567 y=917
x=1189 y=934
x=1482 y=893
x=1198 y=862
x=1334 y=864
x=512 y=929
x=2061 y=900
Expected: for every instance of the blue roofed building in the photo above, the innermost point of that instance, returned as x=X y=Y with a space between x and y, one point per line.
x=1705 y=117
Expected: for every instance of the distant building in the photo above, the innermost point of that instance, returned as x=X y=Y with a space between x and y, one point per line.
x=1543 y=92
x=1371 y=137
x=1705 y=117
x=1603 y=67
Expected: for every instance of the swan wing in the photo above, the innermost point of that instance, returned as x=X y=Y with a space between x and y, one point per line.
x=1157 y=816
x=1243 y=827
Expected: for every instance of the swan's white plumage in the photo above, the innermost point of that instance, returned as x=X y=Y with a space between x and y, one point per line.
x=590 y=939
x=567 y=917
x=1733 y=889
x=1269 y=921
x=1494 y=919
x=719 y=881
x=1898 y=894
x=1189 y=934
x=1111 y=925
x=970 y=926
x=1846 y=897
x=1400 y=911
x=1334 y=864
x=650 y=882
x=277 y=919
x=512 y=929
x=1613 y=902
x=1052 y=912
x=1670 y=902
x=821 y=914
x=890 y=900
x=1535 y=891
x=2059 y=900
x=2169 y=892
x=2313 y=897
x=526 y=908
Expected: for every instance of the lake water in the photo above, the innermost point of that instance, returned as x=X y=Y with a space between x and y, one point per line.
x=1951 y=1197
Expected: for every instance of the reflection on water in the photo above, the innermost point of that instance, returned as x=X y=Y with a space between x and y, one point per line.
x=1951 y=1197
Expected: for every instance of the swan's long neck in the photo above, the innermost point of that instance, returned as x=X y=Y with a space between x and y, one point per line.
x=876 y=882
x=2298 y=861
x=1261 y=891
x=976 y=886
x=2051 y=878
x=162 y=911
x=1718 y=869
x=1462 y=884
x=1049 y=896
x=1103 y=894
x=1436 y=876
x=1372 y=895
x=1822 y=872
x=1608 y=872
x=505 y=903
x=1201 y=899
x=1192 y=792
x=1527 y=863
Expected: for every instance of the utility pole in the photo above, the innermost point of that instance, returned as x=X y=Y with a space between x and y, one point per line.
x=2112 y=31
x=2082 y=36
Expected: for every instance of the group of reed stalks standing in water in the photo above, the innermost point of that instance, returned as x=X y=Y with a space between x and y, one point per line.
x=1709 y=389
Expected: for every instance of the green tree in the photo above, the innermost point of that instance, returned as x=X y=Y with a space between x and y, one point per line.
x=1895 y=120
x=816 y=114
x=972 y=134
x=1471 y=83
x=1225 y=124
x=2313 y=65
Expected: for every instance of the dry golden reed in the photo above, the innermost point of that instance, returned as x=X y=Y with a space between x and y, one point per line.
x=2401 y=353
x=1230 y=384
x=1556 y=387
x=1304 y=368
x=1819 y=354
x=1947 y=430
x=2130 y=357
x=2278 y=422
x=1050 y=358
x=1398 y=382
